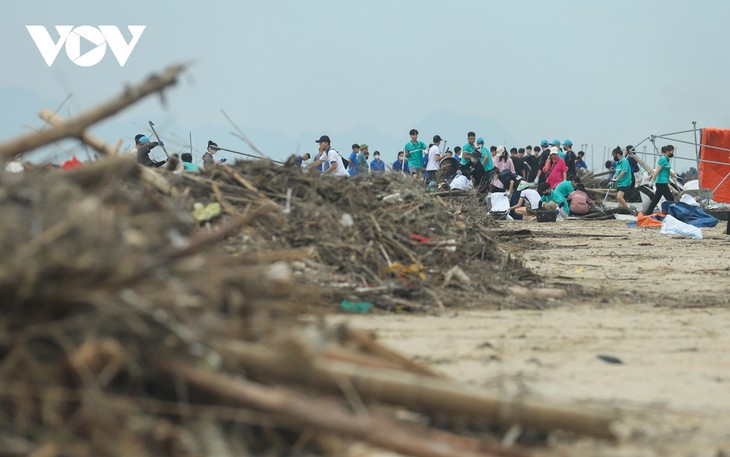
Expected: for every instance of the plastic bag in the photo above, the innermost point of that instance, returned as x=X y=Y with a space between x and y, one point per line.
x=500 y=202
x=674 y=227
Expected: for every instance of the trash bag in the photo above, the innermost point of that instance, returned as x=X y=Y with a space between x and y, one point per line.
x=692 y=215
x=673 y=227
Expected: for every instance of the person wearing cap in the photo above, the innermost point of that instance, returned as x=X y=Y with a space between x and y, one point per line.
x=400 y=165
x=144 y=146
x=544 y=156
x=414 y=150
x=468 y=148
x=502 y=162
x=434 y=157
x=328 y=155
x=362 y=161
x=569 y=157
x=485 y=156
x=555 y=169
x=208 y=160
x=377 y=166
x=622 y=177
x=556 y=143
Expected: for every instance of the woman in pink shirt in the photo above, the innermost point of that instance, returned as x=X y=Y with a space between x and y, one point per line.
x=555 y=169
x=501 y=162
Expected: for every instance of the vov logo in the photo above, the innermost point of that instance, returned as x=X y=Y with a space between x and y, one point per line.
x=71 y=36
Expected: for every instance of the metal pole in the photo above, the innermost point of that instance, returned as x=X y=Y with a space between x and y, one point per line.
x=697 y=149
x=152 y=126
x=247 y=155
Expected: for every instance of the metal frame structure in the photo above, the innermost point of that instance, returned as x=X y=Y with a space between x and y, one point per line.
x=696 y=144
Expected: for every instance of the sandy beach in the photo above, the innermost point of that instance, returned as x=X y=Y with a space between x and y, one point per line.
x=655 y=306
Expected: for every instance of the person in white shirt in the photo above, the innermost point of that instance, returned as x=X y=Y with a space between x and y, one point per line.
x=434 y=157
x=528 y=202
x=329 y=155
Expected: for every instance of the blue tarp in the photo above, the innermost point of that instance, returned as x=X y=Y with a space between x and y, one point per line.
x=692 y=215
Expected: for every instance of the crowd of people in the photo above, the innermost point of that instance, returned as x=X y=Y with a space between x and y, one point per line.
x=545 y=176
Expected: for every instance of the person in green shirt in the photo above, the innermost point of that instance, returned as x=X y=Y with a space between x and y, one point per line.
x=622 y=177
x=553 y=200
x=566 y=187
x=414 y=153
x=468 y=148
x=487 y=160
x=661 y=176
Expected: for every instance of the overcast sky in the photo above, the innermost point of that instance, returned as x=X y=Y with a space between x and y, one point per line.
x=597 y=72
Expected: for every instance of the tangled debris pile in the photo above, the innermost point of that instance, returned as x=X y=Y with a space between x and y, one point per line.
x=380 y=239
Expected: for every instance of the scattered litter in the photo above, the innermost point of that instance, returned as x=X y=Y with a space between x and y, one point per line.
x=205 y=213
x=610 y=359
x=360 y=307
x=678 y=229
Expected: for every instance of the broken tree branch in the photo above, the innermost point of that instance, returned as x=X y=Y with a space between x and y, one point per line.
x=322 y=414
x=420 y=392
x=75 y=127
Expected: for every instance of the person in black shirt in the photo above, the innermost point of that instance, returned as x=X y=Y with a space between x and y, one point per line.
x=517 y=162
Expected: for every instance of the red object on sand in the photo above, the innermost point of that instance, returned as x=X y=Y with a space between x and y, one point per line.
x=72 y=164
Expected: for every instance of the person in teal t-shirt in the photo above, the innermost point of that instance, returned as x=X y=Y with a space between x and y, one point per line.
x=468 y=148
x=622 y=177
x=566 y=187
x=414 y=150
x=487 y=160
x=553 y=200
x=662 y=174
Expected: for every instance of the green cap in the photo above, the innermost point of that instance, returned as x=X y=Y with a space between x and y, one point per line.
x=363 y=146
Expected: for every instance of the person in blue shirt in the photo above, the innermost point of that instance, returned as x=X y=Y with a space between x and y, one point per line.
x=401 y=164
x=377 y=166
x=353 y=169
x=581 y=163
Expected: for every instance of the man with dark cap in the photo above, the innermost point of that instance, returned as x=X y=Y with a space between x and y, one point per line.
x=208 y=160
x=144 y=146
x=434 y=157
x=332 y=160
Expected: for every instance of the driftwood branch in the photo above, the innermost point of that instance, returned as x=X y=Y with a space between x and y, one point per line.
x=324 y=415
x=421 y=393
x=94 y=142
x=75 y=127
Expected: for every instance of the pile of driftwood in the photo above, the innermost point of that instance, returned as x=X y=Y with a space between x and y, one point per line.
x=129 y=327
